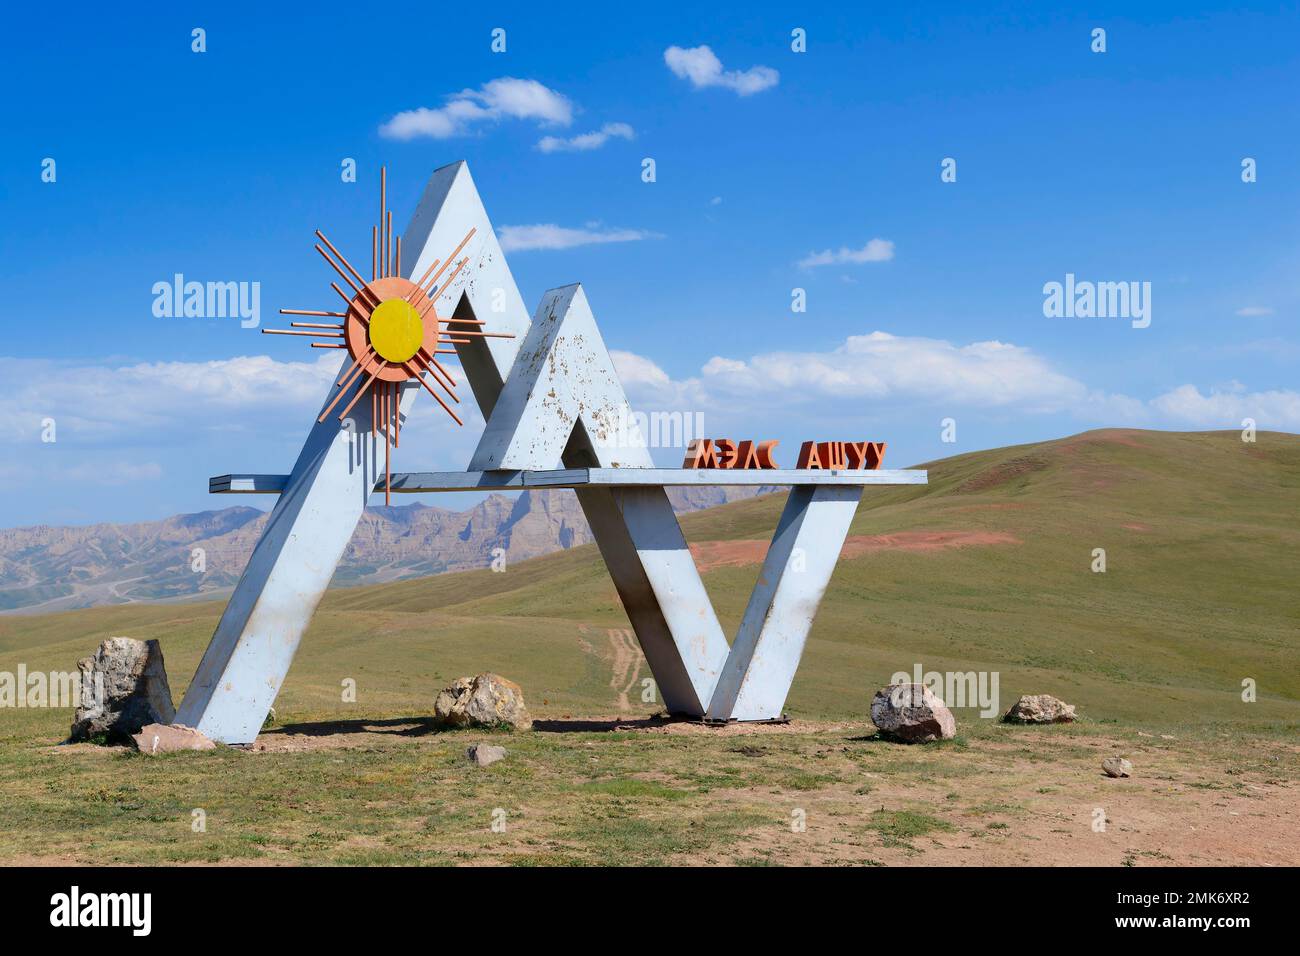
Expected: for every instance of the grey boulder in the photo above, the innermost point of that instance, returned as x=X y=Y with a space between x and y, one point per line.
x=912 y=714
x=123 y=688
x=488 y=700
x=1117 y=767
x=485 y=754
x=1040 y=709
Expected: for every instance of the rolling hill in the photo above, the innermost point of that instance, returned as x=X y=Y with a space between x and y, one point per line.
x=988 y=568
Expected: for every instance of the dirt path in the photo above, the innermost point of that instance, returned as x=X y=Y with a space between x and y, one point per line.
x=625 y=661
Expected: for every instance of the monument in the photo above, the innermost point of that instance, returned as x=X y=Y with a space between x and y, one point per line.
x=557 y=417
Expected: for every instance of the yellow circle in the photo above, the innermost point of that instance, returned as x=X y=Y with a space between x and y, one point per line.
x=396 y=331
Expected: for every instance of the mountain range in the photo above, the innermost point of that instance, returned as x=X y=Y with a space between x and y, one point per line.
x=45 y=568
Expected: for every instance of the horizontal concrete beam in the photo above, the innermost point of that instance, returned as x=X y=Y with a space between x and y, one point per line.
x=423 y=482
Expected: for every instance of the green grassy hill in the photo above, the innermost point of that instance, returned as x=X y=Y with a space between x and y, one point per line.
x=1202 y=549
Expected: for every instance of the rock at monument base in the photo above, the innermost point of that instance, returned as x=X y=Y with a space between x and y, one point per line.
x=485 y=754
x=168 y=738
x=123 y=688
x=487 y=700
x=1040 y=709
x=1117 y=767
x=911 y=714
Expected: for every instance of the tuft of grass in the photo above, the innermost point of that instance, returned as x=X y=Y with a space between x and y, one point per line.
x=897 y=828
x=630 y=787
x=803 y=780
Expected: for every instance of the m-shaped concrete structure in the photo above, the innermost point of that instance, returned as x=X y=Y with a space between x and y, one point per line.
x=556 y=416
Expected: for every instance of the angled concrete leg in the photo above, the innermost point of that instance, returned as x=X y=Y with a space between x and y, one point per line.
x=310 y=526
x=654 y=572
x=798 y=567
x=304 y=539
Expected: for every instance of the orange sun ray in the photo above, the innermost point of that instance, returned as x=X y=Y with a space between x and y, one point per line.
x=432 y=265
x=319 y=335
x=350 y=372
x=438 y=376
x=433 y=282
x=447 y=282
x=383 y=205
x=357 y=275
x=352 y=377
x=429 y=388
x=361 y=290
x=374 y=377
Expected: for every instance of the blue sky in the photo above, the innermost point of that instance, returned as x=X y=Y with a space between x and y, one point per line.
x=1117 y=166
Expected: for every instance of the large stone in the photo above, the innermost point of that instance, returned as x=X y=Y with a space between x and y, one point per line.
x=123 y=687
x=1117 y=767
x=912 y=714
x=1040 y=709
x=487 y=700
x=485 y=755
x=167 y=738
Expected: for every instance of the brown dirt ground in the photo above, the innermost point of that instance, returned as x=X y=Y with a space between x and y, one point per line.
x=1030 y=798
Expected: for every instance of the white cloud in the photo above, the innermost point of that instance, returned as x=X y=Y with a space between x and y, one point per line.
x=893 y=375
x=102 y=403
x=586 y=141
x=1226 y=407
x=637 y=370
x=219 y=413
x=1253 y=311
x=551 y=236
x=505 y=97
x=702 y=67
x=876 y=250
x=880 y=366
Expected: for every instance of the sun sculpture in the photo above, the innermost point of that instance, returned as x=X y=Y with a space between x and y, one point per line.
x=391 y=330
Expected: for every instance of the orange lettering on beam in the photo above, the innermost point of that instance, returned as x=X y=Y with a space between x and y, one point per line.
x=831 y=454
x=875 y=454
x=765 y=453
x=700 y=454
x=809 y=456
x=726 y=452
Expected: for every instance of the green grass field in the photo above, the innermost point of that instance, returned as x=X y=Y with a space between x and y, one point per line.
x=1202 y=547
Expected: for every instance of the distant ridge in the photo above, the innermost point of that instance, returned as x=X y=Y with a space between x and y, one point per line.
x=45 y=568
